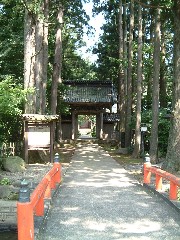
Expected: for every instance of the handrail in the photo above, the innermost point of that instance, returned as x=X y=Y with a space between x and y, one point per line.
x=160 y=174
x=27 y=206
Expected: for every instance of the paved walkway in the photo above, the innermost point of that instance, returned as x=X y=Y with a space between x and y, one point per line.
x=99 y=200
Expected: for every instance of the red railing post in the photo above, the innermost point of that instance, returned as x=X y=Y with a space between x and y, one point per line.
x=47 y=193
x=158 y=182
x=173 y=191
x=39 y=209
x=147 y=173
x=53 y=182
x=25 y=220
x=58 y=166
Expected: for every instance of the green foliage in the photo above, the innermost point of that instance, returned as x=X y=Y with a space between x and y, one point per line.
x=178 y=195
x=163 y=132
x=92 y=118
x=93 y=131
x=74 y=20
x=62 y=107
x=12 y=97
x=1 y=163
x=11 y=38
x=163 y=129
x=12 y=33
x=11 y=47
x=107 y=49
x=5 y=181
x=74 y=67
x=107 y=63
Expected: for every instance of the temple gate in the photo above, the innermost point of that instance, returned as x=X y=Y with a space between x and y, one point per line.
x=90 y=98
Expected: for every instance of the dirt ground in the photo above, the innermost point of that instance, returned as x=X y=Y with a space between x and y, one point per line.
x=38 y=168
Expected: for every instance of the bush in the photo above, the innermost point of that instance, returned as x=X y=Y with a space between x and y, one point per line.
x=5 y=181
x=12 y=98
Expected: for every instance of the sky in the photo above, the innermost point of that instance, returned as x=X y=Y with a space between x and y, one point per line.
x=96 y=22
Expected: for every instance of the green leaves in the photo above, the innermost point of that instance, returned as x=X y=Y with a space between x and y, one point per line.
x=12 y=96
x=5 y=181
x=11 y=38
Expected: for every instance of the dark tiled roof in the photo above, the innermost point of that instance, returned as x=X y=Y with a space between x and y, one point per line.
x=89 y=92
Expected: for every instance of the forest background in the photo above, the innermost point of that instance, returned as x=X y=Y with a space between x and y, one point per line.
x=138 y=50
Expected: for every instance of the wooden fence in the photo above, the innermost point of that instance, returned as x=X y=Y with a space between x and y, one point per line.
x=7 y=149
x=10 y=149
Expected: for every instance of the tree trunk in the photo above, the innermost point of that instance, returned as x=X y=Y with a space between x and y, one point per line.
x=121 y=93
x=155 y=98
x=125 y=53
x=150 y=72
x=172 y=162
x=120 y=33
x=36 y=57
x=129 y=80
x=39 y=60
x=137 y=146
x=163 y=96
x=41 y=57
x=57 y=67
x=45 y=57
x=125 y=48
x=29 y=60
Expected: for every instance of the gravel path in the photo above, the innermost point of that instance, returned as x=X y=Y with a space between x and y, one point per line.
x=99 y=200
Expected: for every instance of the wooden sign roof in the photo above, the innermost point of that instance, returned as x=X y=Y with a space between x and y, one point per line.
x=40 y=118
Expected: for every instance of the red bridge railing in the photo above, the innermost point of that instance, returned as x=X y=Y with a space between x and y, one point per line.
x=160 y=174
x=28 y=206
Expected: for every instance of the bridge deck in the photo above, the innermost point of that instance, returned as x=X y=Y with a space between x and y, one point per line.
x=98 y=200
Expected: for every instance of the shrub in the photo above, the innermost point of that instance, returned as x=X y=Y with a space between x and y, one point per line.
x=12 y=98
x=5 y=181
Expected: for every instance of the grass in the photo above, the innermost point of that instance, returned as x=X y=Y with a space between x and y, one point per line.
x=121 y=158
x=126 y=159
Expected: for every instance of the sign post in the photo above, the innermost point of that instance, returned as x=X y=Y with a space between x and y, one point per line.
x=143 y=130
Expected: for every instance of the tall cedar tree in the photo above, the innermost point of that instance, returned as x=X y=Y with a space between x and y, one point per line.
x=172 y=162
x=136 y=152
x=155 y=97
x=129 y=80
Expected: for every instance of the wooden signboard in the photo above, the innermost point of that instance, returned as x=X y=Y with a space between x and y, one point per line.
x=39 y=133
x=39 y=136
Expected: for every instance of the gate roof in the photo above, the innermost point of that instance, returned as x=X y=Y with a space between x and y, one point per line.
x=92 y=92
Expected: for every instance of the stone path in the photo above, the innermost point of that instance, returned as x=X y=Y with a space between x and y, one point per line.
x=99 y=200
